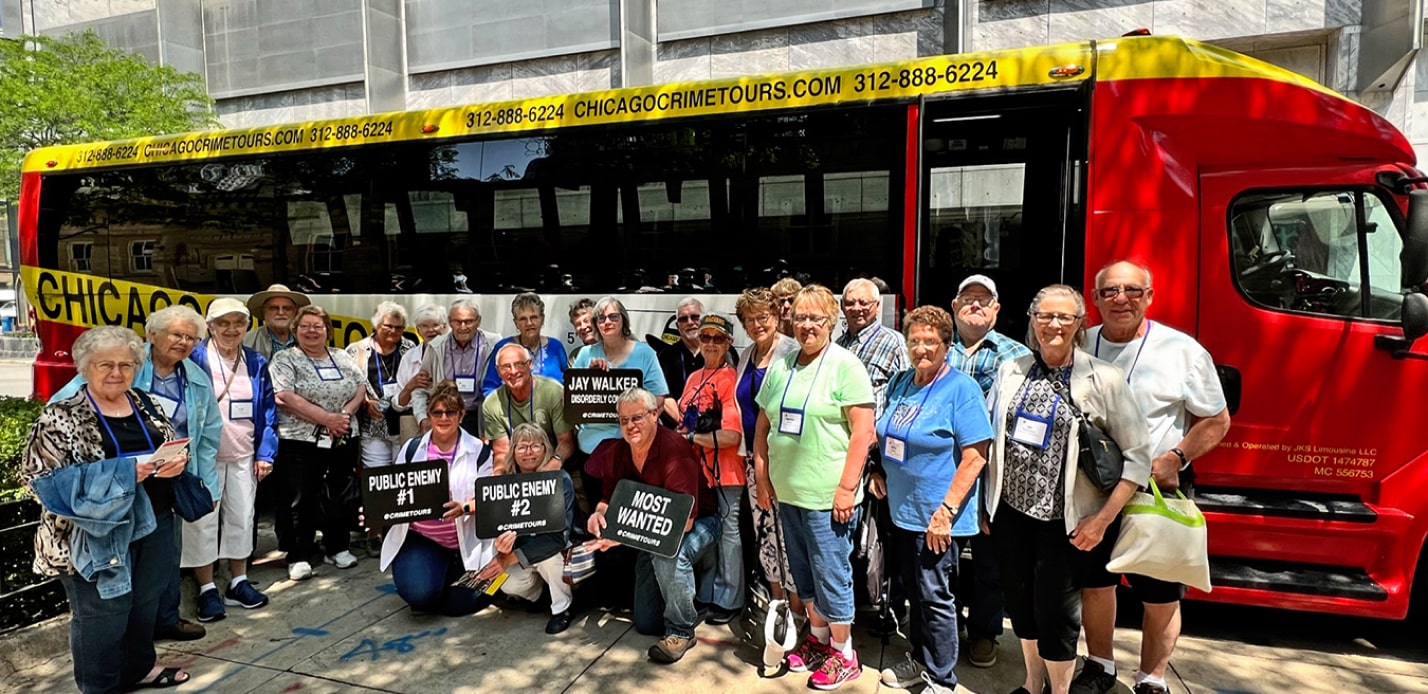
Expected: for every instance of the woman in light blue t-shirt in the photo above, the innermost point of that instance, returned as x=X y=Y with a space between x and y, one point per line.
x=933 y=435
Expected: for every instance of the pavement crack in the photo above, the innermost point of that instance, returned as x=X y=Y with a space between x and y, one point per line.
x=598 y=658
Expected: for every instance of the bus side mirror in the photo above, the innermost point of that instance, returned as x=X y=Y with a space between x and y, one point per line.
x=1415 y=316
x=1414 y=257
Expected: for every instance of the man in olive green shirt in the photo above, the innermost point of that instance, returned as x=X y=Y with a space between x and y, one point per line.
x=521 y=398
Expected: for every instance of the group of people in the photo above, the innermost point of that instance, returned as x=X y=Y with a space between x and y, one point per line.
x=953 y=432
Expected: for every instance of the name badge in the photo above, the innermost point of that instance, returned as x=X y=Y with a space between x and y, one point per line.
x=324 y=440
x=465 y=384
x=143 y=458
x=240 y=409
x=329 y=373
x=790 y=421
x=390 y=391
x=1031 y=431
x=894 y=449
x=167 y=404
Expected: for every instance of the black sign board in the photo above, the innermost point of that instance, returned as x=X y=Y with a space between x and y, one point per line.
x=647 y=518
x=526 y=503
x=590 y=393
x=405 y=493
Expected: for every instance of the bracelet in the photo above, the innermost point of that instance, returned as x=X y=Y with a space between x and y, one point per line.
x=557 y=457
x=689 y=437
x=950 y=509
x=1184 y=460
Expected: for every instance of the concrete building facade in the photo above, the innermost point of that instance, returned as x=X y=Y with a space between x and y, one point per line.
x=274 y=61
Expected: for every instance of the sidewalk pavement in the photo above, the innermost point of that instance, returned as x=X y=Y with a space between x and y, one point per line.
x=347 y=631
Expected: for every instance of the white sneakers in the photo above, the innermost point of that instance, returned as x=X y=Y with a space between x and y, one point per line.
x=299 y=571
x=342 y=560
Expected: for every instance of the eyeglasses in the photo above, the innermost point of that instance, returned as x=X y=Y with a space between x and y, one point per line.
x=805 y=319
x=714 y=339
x=608 y=318
x=311 y=326
x=530 y=447
x=513 y=367
x=1045 y=318
x=181 y=337
x=784 y=300
x=983 y=301
x=762 y=318
x=1131 y=291
x=126 y=367
x=859 y=303
x=279 y=308
x=691 y=318
x=230 y=324
x=462 y=321
x=443 y=414
x=635 y=420
x=924 y=344
x=392 y=328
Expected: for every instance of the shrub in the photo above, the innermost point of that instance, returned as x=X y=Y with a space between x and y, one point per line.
x=16 y=416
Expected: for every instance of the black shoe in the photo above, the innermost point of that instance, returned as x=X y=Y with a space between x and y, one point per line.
x=718 y=616
x=558 y=622
x=1093 y=680
x=183 y=631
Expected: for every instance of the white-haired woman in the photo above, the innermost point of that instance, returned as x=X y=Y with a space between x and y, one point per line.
x=104 y=429
x=430 y=322
x=1048 y=521
x=379 y=356
x=547 y=354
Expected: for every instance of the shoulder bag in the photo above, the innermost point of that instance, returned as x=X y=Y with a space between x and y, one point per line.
x=1100 y=457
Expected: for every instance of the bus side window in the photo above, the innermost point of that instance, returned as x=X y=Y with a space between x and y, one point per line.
x=1301 y=251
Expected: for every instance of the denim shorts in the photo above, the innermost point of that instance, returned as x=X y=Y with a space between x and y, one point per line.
x=819 y=554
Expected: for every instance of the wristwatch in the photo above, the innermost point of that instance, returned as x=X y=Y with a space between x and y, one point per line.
x=689 y=437
x=1184 y=460
x=952 y=510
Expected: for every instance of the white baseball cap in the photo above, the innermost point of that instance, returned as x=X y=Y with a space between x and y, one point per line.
x=223 y=306
x=983 y=280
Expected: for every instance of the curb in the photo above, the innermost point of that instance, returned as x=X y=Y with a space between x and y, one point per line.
x=34 y=645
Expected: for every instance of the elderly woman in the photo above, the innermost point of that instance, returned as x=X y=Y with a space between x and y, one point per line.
x=783 y=293
x=102 y=434
x=319 y=391
x=582 y=326
x=1046 y=516
x=547 y=355
x=427 y=557
x=710 y=421
x=759 y=314
x=246 y=449
x=812 y=437
x=536 y=559
x=379 y=357
x=930 y=411
x=430 y=322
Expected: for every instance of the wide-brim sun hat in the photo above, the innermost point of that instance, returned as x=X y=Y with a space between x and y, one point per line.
x=255 y=302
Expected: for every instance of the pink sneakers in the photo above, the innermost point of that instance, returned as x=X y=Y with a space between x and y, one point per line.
x=835 y=671
x=808 y=656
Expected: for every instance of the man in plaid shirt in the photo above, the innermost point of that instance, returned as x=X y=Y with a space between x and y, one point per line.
x=978 y=351
x=881 y=349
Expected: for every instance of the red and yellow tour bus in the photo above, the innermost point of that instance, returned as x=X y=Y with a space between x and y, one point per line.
x=1284 y=224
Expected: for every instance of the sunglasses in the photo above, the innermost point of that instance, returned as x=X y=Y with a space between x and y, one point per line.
x=714 y=339
x=443 y=414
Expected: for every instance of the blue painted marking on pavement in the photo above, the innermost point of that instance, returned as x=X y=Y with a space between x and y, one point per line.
x=302 y=632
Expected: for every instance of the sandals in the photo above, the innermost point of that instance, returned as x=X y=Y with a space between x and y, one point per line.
x=168 y=677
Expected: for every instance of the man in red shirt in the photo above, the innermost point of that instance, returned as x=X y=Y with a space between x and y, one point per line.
x=664 y=587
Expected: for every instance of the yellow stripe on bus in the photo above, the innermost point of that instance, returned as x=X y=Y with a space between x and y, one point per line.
x=935 y=75
x=1158 y=57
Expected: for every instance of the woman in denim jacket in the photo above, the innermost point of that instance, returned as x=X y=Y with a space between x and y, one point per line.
x=111 y=638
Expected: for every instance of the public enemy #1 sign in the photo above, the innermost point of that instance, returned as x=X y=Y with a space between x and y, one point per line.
x=590 y=394
x=647 y=518
x=405 y=493
x=529 y=504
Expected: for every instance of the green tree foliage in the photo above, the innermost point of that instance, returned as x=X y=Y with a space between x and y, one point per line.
x=73 y=88
x=16 y=416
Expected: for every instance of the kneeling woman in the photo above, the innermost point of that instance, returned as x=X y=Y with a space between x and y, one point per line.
x=533 y=559
x=426 y=557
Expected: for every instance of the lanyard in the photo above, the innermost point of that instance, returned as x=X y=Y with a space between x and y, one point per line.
x=510 y=427
x=449 y=458
x=712 y=373
x=143 y=426
x=318 y=369
x=476 y=362
x=1026 y=385
x=537 y=356
x=898 y=426
x=182 y=382
x=1148 y=325
x=792 y=360
x=381 y=379
x=226 y=376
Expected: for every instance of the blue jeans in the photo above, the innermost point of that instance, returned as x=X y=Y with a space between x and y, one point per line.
x=424 y=571
x=112 y=641
x=928 y=578
x=664 y=586
x=819 y=553
x=726 y=589
x=169 y=601
x=983 y=597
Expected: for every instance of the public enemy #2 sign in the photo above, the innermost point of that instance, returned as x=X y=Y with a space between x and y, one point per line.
x=647 y=518
x=405 y=493
x=590 y=394
x=529 y=504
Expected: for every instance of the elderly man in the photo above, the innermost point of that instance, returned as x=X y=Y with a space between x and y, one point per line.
x=524 y=397
x=246 y=450
x=682 y=358
x=881 y=349
x=664 y=586
x=277 y=306
x=182 y=390
x=1175 y=383
x=978 y=350
x=458 y=356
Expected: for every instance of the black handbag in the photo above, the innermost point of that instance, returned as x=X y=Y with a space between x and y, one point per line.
x=1100 y=457
x=191 y=498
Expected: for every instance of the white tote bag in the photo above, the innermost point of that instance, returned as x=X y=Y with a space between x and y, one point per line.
x=1163 y=538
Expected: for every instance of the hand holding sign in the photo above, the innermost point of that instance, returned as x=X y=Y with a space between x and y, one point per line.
x=528 y=504
x=405 y=493
x=647 y=518
x=590 y=394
